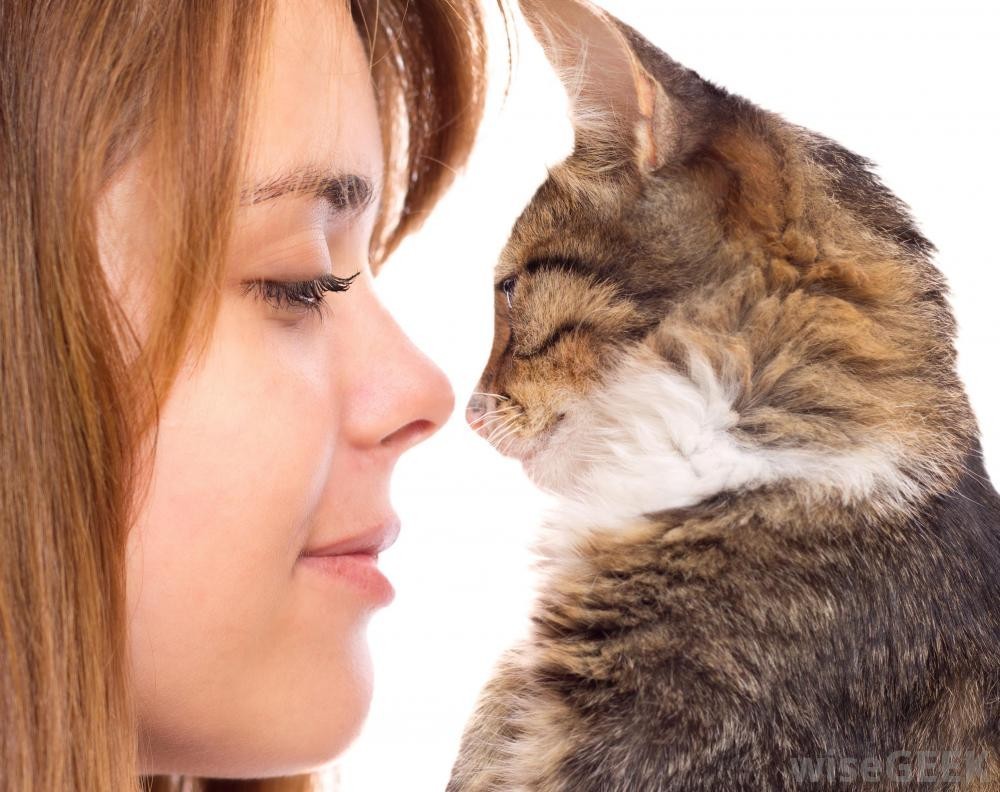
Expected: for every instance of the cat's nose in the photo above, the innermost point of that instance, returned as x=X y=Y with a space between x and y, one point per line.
x=477 y=407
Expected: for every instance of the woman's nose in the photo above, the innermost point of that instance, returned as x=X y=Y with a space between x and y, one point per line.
x=399 y=396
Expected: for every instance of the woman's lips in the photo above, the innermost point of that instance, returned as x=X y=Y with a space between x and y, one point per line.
x=359 y=570
x=354 y=560
x=372 y=541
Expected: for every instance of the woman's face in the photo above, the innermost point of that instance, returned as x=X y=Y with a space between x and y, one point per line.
x=248 y=654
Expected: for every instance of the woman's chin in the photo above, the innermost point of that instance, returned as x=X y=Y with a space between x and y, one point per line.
x=331 y=712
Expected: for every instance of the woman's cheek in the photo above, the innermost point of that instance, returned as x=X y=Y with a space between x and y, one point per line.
x=243 y=452
x=248 y=441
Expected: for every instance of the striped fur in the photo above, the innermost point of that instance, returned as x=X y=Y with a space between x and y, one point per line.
x=723 y=343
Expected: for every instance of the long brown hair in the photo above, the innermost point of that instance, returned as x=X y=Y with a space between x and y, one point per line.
x=84 y=86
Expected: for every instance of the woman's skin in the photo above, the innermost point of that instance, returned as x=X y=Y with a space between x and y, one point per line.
x=249 y=659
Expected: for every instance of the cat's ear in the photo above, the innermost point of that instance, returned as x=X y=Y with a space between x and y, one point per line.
x=619 y=110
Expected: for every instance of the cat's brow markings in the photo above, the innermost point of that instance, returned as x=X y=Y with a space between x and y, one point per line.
x=562 y=264
x=555 y=336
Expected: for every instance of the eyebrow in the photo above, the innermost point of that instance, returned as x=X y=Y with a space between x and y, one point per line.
x=345 y=193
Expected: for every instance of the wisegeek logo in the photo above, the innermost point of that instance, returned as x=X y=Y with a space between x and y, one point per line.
x=904 y=767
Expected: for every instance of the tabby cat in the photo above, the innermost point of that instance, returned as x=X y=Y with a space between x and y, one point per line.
x=722 y=342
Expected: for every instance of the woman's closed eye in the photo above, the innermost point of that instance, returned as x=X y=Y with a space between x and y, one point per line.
x=298 y=296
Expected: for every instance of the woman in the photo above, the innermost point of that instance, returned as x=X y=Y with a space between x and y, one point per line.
x=196 y=444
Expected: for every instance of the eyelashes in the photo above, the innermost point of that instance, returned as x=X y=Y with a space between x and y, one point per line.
x=301 y=296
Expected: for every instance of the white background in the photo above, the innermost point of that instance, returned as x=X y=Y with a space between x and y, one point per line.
x=903 y=82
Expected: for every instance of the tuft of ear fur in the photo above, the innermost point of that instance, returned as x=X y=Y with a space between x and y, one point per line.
x=620 y=112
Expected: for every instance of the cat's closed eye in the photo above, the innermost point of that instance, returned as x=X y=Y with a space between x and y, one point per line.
x=507 y=286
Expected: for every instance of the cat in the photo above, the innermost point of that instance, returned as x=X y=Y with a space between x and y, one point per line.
x=721 y=341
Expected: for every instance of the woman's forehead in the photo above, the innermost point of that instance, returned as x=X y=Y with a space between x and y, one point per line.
x=315 y=106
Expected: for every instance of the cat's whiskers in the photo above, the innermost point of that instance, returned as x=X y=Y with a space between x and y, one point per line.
x=507 y=443
x=505 y=435
x=491 y=417
x=491 y=395
x=498 y=410
x=503 y=426
x=500 y=445
x=501 y=429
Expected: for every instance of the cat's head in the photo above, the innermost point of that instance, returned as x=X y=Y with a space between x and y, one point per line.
x=704 y=296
